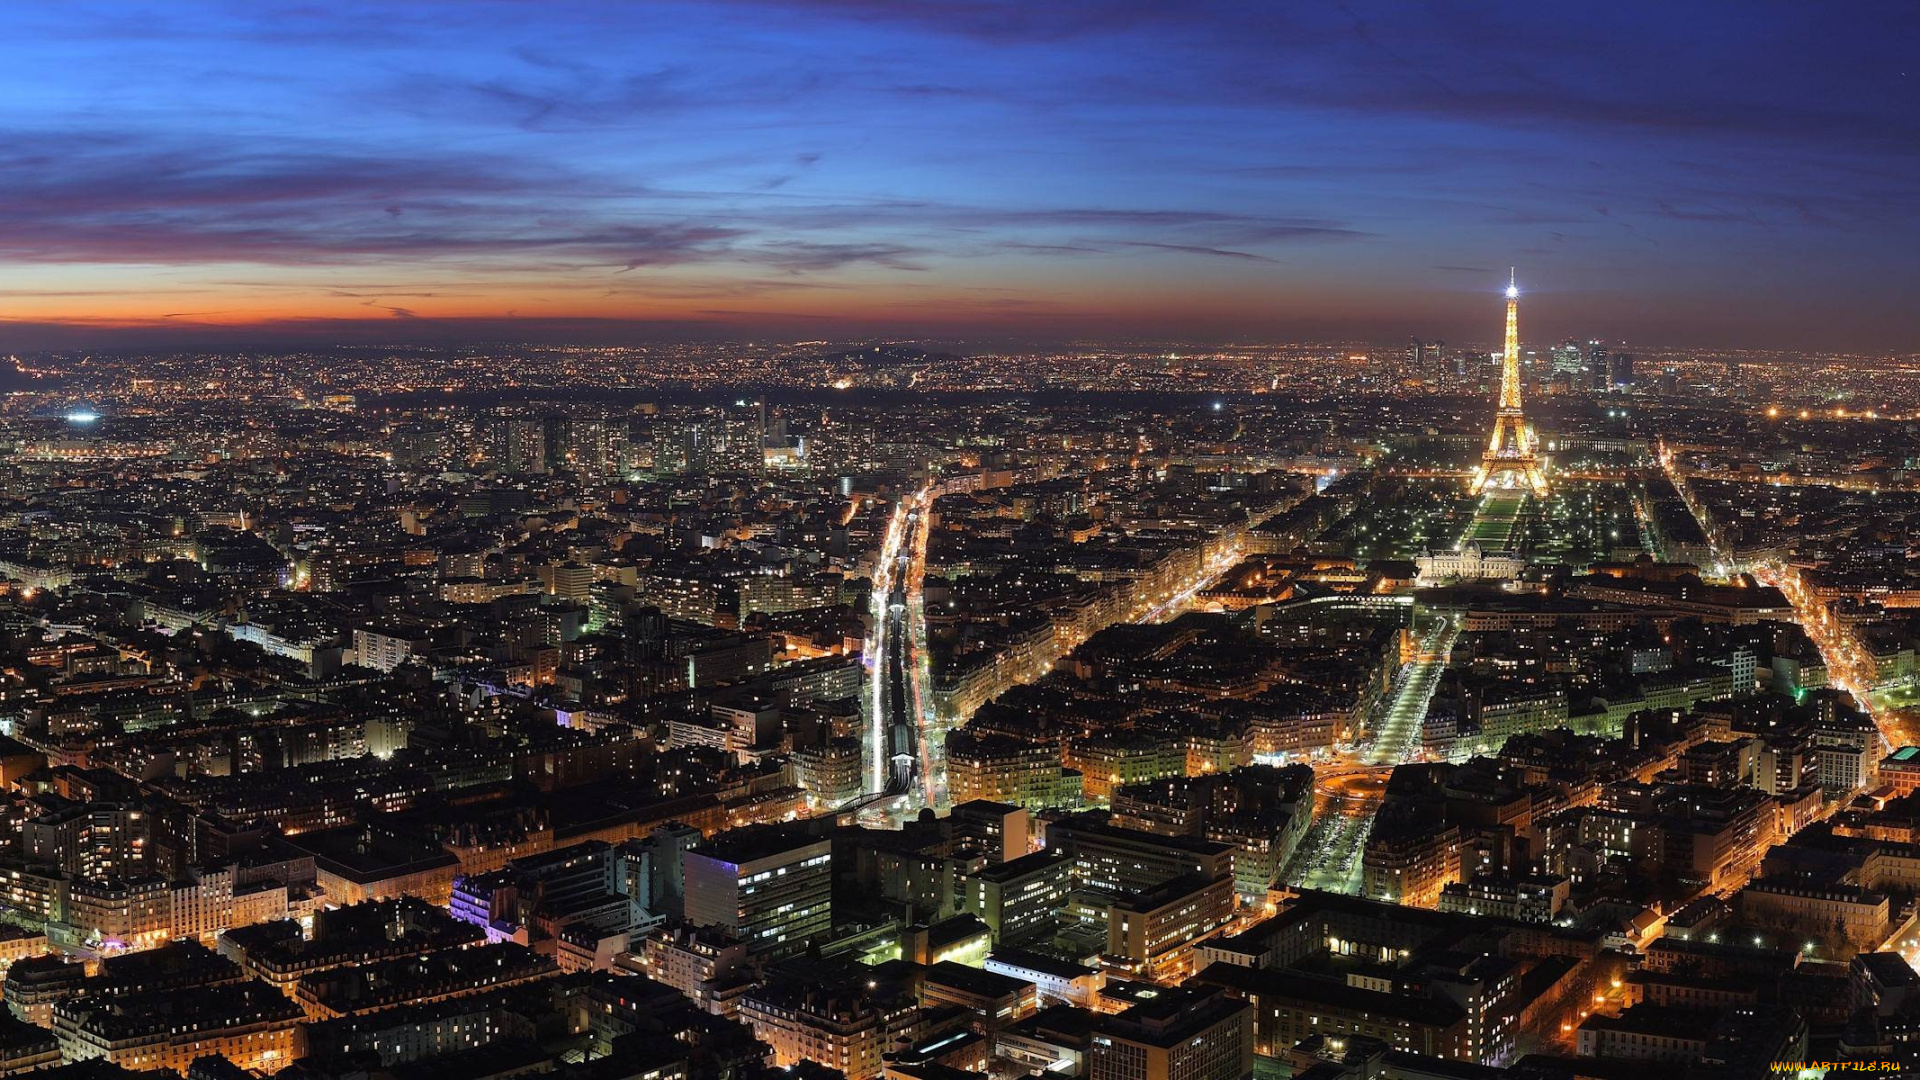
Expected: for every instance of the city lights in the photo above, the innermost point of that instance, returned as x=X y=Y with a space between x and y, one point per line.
x=971 y=541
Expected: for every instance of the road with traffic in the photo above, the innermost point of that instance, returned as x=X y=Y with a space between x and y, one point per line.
x=1348 y=789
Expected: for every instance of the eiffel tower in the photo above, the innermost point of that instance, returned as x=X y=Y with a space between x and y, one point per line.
x=1512 y=459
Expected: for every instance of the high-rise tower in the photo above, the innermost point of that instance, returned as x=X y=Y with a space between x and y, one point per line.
x=1512 y=459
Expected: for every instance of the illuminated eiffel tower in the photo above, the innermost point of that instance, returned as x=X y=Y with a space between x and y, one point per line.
x=1512 y=459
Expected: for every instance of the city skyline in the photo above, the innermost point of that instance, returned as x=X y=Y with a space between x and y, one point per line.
x=437 y=173
x=971 y=540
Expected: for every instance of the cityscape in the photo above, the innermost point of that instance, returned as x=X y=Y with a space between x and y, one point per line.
x=872 y=628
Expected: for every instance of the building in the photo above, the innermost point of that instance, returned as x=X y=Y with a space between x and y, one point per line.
x=414 y=1032
x=249 y=1023
x=1288 y=1008
x=1006 y=831
x=1055 y=981
x=1154 y=931
x=590 y=947
x=1054 y=1041
x=652 y=869
x=1569 y=359
x=536 y=896
x=520 y=444
x=751 y=724
x=385 y=648
x=1704 y=835
x=19 y=943
x=1019 y=900
x=25 y=1048
x=994 y=999
x=1263 y=810
x=1900 y=770
x=1470 y=563
x=768 y=885
x=357 y=863
x=596 y=446
x=94 y=840
x=571 y=581
x=1110 y=760
x=1521 y=899
x=1001 y=769
x=1411 y=860
x=281 y=952
x=846 y=1032
x=1177 y=1035
x=1120 y=860
x=961 y=939
x=1650 y=1033
x=34 y=986
x=1847 y=746
x=413 y=980
x=704 y=965
x=829 y=772
x=1839 y=917
x=1620 y=371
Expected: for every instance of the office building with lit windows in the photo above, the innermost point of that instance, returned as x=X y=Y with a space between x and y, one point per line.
x=768 y=885
x=1177 y=1034
x=1119 y=860
x=1019 y=899
x=1153 y=932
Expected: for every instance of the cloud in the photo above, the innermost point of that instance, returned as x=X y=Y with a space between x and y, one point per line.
x=1000 y=24
x=39 y=294
x=751 y=315
x=1194 y=249
x=799 y=256
x=129 y=199
x=1698 y=213
x=1052 y=249
x=713 y=155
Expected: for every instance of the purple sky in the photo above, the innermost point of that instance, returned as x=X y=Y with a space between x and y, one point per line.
x=1680 y=173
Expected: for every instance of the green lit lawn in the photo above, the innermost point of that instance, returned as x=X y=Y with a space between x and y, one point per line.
x=1494 y=521
x=1900 y=697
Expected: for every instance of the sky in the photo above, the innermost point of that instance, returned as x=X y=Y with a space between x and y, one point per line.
x=1695 y=174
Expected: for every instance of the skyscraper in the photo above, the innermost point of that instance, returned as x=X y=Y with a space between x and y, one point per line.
x=676 y=447
x=1569 y=358
x=726 y=441
x=1620 y=371
x=1597 y=364
x=520 y=444
x=736 y=439
x=596 y=446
